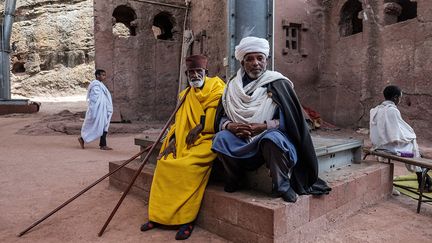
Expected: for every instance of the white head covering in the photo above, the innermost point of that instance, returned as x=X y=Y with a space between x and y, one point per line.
x=251 y=44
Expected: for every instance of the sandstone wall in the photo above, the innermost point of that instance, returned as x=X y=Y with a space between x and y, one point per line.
x=338 y=74
x=143 y=69
x=208 y=21
x=354 y=69
x=300 y=64
x=52 y=47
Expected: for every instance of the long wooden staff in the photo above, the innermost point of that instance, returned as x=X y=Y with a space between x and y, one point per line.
x=84 y=190
x=142 y=165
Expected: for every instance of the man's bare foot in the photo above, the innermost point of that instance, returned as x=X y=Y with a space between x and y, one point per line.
x=81 y=142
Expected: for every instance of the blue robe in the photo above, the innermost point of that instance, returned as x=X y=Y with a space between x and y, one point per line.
x=230 y=145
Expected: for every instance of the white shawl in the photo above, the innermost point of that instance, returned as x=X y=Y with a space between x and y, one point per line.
x=250 y=104
x=99 y=111
x=389 y=131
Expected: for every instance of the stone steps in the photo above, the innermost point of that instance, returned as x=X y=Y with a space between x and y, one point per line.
x=253 y=216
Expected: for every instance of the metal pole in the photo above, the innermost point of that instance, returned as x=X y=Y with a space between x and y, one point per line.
x=272 y=12
x=231 y=42
x=247 y=18
x=9 y=11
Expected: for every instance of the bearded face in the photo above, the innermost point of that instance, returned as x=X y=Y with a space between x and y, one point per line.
x=254 y=64
x=196 y=77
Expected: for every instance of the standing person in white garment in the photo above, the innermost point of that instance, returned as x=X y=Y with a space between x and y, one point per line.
x=99 y=112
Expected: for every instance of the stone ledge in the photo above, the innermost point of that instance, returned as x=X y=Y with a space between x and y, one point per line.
x=251 y=216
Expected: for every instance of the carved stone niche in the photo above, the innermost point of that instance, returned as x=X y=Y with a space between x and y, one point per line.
x=391 y=13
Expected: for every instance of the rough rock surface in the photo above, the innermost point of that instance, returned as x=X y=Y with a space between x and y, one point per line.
x=52 y=47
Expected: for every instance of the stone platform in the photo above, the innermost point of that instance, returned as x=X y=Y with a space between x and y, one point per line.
x=254 y=216
x=18 y=106
x=332 y=154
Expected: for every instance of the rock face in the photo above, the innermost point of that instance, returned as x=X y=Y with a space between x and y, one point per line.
x=52 y=47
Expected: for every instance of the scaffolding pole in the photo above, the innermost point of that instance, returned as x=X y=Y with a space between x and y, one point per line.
x=6 y=29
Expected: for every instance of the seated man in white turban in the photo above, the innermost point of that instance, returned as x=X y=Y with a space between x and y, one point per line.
x=260 y=120
x=389 y=132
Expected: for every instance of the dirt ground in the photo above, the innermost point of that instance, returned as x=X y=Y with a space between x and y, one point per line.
x=38 y=172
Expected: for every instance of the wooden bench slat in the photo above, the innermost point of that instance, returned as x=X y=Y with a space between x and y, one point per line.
x=422 y=162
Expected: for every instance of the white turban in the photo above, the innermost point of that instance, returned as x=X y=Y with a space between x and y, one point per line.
x=251 y=44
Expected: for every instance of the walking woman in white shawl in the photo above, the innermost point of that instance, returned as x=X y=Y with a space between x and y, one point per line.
x=99 y=112
x=388 y=131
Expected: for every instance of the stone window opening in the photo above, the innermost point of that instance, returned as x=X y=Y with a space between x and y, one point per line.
x=163 y=24
x=292 y=40
x=124 y=21
x=399 y=10
x=350 y=23
x=409 y=10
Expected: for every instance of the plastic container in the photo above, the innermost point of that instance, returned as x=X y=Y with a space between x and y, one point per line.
x=405 y=154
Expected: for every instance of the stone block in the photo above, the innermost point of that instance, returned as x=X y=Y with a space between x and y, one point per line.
x=345 y=210
x=330 y=200
x=225 y=210
x=280 y=220
x=143 y=194
x=308 y=232
x=297 y=213
x=256 y=218
x=361 y=185
x=387 y=174
x=317 y=207
x=346 y=192
x=234 y=233
x=373 y=180
x=251 y=216
x=373 y=196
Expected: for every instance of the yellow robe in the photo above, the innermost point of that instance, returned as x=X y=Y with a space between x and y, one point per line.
x=178 y=184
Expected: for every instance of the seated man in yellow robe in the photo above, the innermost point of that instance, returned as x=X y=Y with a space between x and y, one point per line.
x=185 y=161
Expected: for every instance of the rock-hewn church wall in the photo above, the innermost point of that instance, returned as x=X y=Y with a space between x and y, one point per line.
x=298 y=44
x=208 y=21
x=342 y=65
x=406 y=61
x=139 y=44
x=340 y=54
x=393 y=47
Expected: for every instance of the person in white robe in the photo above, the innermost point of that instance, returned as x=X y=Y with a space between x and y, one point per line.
x=389 y=132
x=99 y=112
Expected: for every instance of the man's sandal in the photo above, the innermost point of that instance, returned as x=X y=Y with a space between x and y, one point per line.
x=184 y=232
x=148 y=226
